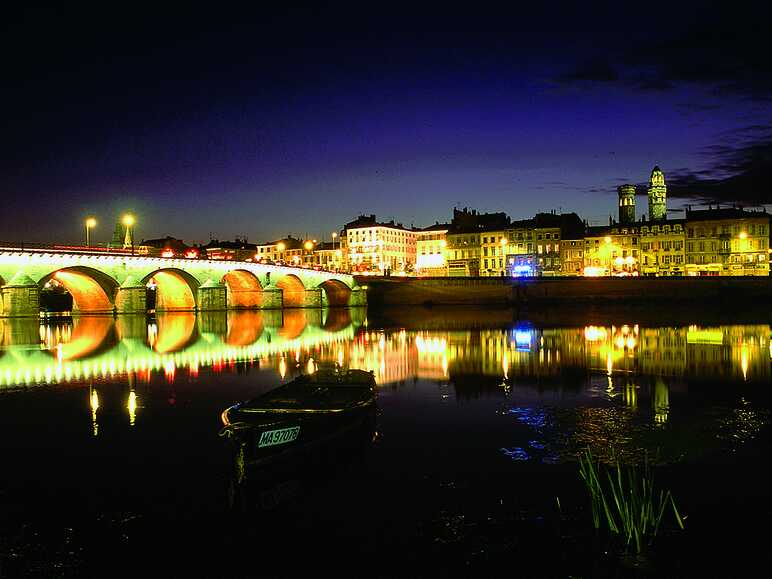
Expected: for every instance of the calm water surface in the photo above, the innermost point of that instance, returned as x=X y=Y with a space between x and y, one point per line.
x=112 y=462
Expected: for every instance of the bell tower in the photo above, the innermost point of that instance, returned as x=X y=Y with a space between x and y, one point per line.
x=626 y=203
x=657 y=193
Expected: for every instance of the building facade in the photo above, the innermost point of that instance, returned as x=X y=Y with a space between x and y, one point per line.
x=430 y=251
x=663 y=246
x=727 y=241
x=380 y=248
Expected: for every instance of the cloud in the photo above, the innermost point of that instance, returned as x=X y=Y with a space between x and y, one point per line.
x=739 y=171
x=722 y=48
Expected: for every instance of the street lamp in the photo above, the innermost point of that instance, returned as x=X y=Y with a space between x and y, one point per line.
x=90 y=222
x=280 y=247
x=128 y=221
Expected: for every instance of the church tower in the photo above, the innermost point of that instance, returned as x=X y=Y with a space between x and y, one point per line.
x=626 y=203
x=657 y=195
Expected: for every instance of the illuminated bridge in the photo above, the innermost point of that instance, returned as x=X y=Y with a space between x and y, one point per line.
x=118 y=283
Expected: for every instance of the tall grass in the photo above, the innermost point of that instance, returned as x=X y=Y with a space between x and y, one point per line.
x=625 y=501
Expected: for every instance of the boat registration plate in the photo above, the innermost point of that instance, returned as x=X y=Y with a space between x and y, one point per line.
x=280 y=436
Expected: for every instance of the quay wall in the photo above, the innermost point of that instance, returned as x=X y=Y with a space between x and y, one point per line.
x=396 y=291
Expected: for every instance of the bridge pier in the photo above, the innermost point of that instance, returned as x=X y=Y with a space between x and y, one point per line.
x=273 y=298
x=20 y=297
x=312 y=298
x=212 y=296
x=358 y=297
x=131 y=297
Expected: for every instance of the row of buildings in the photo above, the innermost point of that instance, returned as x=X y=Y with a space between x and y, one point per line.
x=713 y=241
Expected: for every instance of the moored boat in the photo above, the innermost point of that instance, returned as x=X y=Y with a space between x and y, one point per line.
x=311 y=411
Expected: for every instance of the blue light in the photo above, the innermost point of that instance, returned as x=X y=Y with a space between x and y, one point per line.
x=523 y=339
x=522 y=270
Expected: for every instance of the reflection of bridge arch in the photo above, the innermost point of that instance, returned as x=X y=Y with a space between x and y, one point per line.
x=293 y=324
x=92 y=291
x=337 y=319
x=337 y=292
x=89 y=336
x=175 y=331
x=244 y=328
x=244 y=289
x=175 y=290
x=293 y=291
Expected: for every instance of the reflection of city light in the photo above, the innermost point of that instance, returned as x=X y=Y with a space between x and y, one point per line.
x=310 y=366
x=594 y=334
x=131 y=405
x=744 y=360
x=523 y=339
x=94 y=403
x=282 y=368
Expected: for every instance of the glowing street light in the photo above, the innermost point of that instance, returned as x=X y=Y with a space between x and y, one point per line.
x=280 y=247
x=309 y=245
x=128 y=221
x=90 y=222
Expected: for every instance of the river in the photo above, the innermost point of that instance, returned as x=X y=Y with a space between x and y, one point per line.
x=112 y=463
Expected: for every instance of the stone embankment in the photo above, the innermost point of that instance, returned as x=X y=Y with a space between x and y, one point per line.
x=401 y=291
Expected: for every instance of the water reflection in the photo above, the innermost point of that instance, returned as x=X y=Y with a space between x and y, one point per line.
x=34 y=352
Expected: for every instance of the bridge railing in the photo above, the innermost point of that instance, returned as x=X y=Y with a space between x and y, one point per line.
x=136 y=251
x=100 y=249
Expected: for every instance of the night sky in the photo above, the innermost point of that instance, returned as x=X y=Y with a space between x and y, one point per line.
x=224 y=122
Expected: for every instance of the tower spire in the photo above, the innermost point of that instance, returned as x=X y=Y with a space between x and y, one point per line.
x=657 y=194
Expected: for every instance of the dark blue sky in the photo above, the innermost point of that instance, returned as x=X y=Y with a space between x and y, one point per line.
x=269 y=122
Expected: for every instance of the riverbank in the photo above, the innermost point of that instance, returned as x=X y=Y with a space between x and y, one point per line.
x=402 y=291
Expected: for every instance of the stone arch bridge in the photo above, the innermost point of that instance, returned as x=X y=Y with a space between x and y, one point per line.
x=109 y=283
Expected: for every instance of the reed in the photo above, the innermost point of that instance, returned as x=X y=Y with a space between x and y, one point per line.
x=625 y=501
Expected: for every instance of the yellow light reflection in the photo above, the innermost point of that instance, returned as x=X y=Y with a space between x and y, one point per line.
x=131 y=405
x=744 y=360
x=94 y=403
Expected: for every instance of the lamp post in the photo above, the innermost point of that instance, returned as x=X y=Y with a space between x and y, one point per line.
x=280 y=248
x=128 y=221
x=309 y=246
x=334 y=235
x=90 y=222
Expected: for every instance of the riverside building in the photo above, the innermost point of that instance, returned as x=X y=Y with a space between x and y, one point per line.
x=727 y=241
x=380 y=248
x=430 y=251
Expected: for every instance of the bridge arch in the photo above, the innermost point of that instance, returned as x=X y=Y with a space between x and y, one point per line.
x=175 y=289
x=337 y=293
x=244 y=289
x=92 y=291
x=293 y=291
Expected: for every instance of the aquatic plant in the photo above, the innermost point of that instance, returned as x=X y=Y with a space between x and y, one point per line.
x=623 y=498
